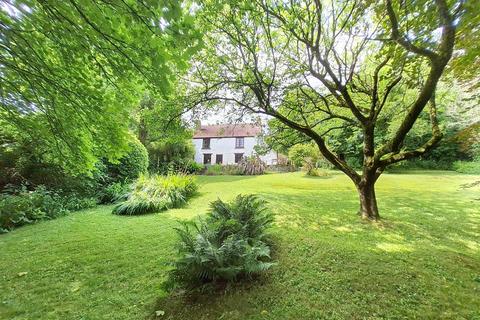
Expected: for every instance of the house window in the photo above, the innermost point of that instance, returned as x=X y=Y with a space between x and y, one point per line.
x=238 y=157
x=239 y=143
x=219 y=159
x=206 y=143
x=207 y=158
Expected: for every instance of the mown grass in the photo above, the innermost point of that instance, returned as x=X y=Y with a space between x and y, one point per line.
x=422 y=261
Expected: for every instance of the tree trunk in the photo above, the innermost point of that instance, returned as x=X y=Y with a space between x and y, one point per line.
x=368 y=201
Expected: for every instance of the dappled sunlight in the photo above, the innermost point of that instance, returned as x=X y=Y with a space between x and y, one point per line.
x=395 y=247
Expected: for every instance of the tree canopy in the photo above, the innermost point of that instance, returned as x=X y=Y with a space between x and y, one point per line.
x=71 y=71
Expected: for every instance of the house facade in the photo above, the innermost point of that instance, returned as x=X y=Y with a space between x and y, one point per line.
x=228 y=144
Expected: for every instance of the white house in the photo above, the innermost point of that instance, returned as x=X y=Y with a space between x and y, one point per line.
x=228 y=143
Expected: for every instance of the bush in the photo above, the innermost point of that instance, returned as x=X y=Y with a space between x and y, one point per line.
x=251 y=166
x=472 y=167
x=214 y=170
x=167 y=153
x=25 y=207
x=131 y=165
x=229 y=245
x=228 y=169
x=232 y=170
x=421 y=164
x=299 y=152
x=113 y=192
x=152 y=193
x=317 y=172
x=187 y=166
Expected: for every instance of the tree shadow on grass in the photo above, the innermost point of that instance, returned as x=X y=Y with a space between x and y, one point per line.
x=331 y=264
x=208 y=303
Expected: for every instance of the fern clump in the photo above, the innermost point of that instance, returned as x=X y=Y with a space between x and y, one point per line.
x=229 y=245
x=152 y=193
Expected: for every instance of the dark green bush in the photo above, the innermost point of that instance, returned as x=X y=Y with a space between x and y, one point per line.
x=131 y=165
x=113 y=192
x=470 y=167
x=152 y=193
x=229 y=245
x=25 y=207
x=188 y=166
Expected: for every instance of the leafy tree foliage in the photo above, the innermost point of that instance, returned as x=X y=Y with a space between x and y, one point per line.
x=72 y=70
x=298 y=153
x=164 y=132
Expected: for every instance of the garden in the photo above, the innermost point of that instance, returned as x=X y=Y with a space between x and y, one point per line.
x=351 y=191
x=422 y=260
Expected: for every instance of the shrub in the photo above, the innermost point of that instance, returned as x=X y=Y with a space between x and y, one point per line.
x=214 y=170
x=229 y=245
x=299 y=152
x=420 y=164
x=228 y=169
x=317 y=172
x=113 y=192
x=166 y=153
x=131 y=165
x=252 y=165
x=187 y=166
x=232 y=170
x=472 y=167
x=151 y=193
x=311 y=169
x=25 y=207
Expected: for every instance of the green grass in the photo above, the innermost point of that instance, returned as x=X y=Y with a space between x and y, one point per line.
x=422 y=261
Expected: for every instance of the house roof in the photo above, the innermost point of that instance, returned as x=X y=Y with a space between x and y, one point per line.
x=228 y=130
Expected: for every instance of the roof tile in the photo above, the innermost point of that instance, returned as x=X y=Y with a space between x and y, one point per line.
x=228 y=130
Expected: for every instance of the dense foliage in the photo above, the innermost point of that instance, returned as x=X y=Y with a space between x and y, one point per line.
x=153 y=193
x=229 y=245
x=113 y=192
x=72 y=70
x=25 y=207
x=165 y=134
x=131 y=165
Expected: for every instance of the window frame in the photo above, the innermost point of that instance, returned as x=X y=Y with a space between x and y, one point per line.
x=221 y=158
x=239 y=159
x=239 y=145
x=206 y=146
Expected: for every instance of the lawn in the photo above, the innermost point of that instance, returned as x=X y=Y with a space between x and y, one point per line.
x=421 y=261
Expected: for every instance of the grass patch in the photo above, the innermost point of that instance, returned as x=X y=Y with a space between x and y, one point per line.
x=421 y=261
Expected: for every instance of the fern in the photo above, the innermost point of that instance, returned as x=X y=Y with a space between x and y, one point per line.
x=226 y=246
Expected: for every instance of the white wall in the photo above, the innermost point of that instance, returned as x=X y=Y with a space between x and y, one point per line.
x=226 y=147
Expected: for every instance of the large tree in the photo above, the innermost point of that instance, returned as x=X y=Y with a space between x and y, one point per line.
x=72 y=71
x=320 y=66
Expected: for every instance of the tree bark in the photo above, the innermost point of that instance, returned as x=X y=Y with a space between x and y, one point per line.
x=368 y=201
